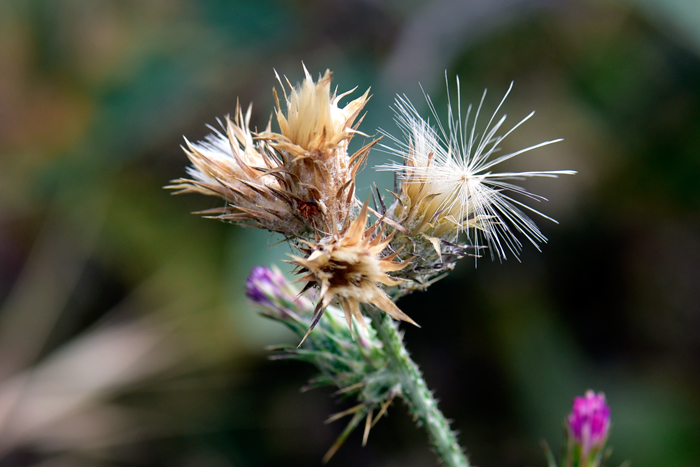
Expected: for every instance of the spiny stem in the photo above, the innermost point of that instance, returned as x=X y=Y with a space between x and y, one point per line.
x=416 y=393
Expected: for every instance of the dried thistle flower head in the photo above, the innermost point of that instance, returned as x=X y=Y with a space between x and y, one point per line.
x=234 y=167
x=313 y=149
x=299 y=182
x=447 y=183
x=349 y=267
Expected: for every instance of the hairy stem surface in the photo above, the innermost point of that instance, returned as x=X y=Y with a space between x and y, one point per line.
x=416 y=393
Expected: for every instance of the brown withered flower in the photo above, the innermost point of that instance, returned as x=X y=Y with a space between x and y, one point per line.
x=243 y=172
x=299 y=182
x=312 y=146
x=349 y=268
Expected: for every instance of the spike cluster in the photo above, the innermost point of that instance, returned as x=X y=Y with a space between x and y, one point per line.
x=349 y=267
x=299 y=182
x=312 y=146
x=242 y=171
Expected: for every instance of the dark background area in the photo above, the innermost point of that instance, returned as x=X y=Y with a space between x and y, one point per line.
x=125 y=338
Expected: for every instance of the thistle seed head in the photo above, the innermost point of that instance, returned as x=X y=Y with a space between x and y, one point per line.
x=299 y=182
x=447 y=183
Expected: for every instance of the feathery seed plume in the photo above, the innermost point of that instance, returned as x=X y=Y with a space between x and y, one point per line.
x=447 y=183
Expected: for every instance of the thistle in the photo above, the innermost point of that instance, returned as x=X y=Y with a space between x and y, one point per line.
x=448 y=188
x=245 y=174
x=300 y=181
x=357 y=368
x=269 y=289
x=587 y=428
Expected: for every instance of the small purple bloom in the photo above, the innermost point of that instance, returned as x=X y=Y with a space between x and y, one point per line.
x=264 y=285
x=271 y=290
x=258 y=281
x=589 y=422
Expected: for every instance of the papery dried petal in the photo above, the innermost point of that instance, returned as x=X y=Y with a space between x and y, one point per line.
x=235 y=168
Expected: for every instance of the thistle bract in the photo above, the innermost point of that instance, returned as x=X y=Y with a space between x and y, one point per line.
x=350 y=268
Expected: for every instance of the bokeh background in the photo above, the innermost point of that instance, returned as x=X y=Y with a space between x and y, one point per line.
x=125 y=338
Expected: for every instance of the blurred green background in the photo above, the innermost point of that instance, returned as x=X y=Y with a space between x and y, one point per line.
x=125 y=338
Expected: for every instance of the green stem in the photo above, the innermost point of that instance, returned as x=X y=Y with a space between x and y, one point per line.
x=416 y=393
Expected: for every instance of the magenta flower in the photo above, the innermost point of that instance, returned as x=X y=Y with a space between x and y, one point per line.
x=589 y=422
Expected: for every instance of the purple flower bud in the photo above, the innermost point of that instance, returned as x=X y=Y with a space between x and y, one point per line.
x=589 y=422
x=261 y=284
x=271 y=290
